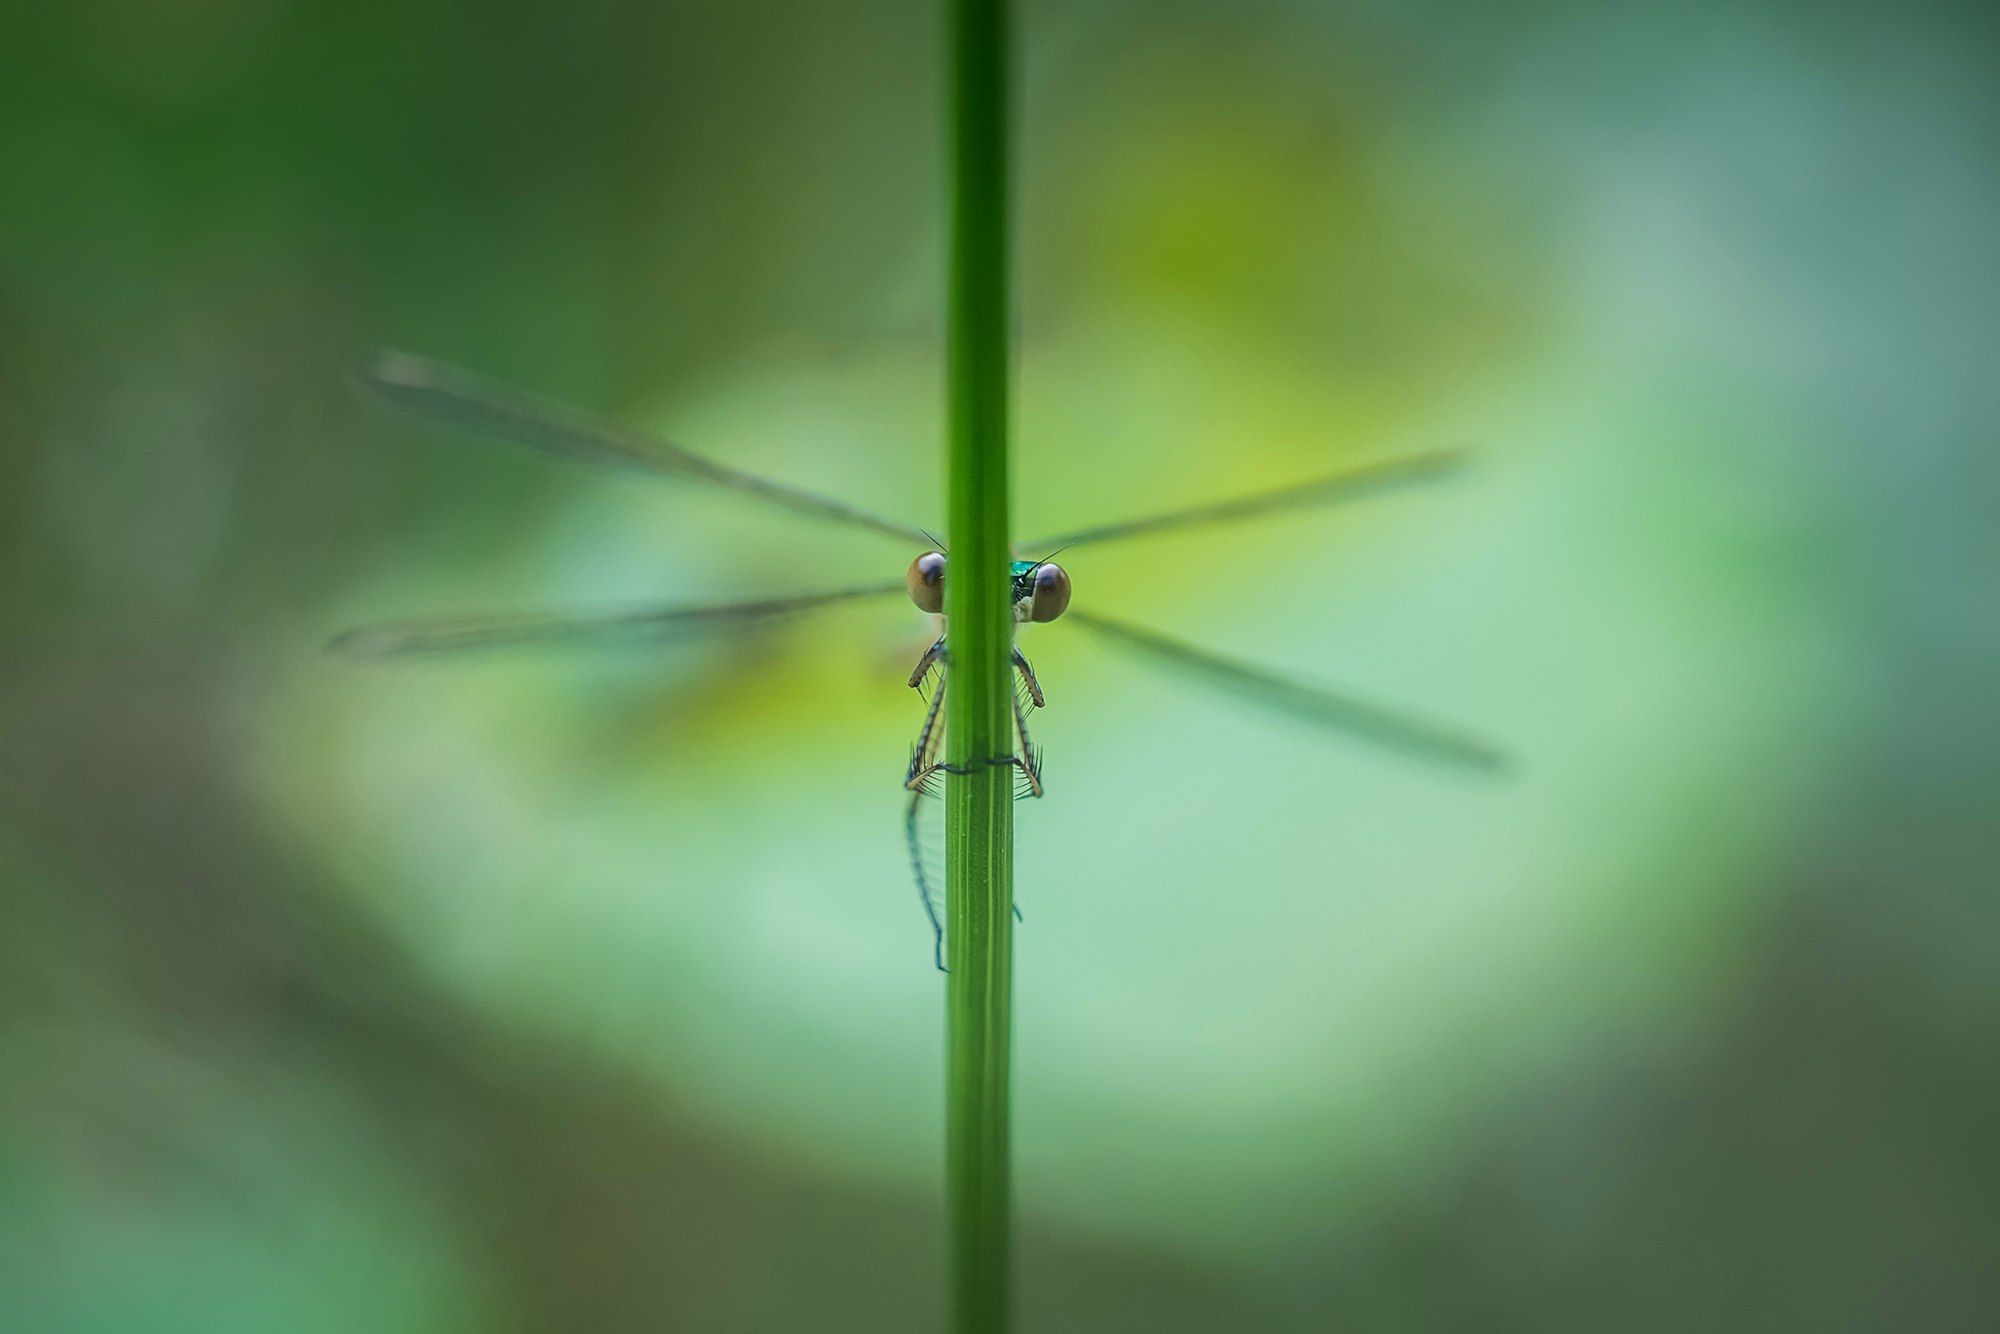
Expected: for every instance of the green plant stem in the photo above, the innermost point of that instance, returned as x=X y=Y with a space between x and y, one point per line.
x=979 y=795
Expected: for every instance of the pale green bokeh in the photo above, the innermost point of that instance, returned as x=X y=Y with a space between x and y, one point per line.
x=1256 y=964
x=592 y=992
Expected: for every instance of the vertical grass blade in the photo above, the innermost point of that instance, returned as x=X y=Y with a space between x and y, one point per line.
x=979 y=796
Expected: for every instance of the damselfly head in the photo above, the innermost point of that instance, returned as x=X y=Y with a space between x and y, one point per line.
x=1041 y=588
x=1048 y=595
x=926 y=581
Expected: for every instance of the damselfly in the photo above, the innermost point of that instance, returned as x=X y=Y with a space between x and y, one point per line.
x=1040 y=587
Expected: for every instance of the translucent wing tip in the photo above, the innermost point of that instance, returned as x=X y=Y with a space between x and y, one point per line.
x=1476 y=756
x=387 y=365
x=394 y=640
x=387 y=373
x=370 y=641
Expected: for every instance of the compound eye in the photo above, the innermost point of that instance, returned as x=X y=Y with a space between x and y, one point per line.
x=1051 y=596
x=926 y=581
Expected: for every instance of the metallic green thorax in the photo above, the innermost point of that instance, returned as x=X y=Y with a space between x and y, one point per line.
x=1023 y=574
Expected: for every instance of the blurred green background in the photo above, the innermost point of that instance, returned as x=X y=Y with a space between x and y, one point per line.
x=590 y=993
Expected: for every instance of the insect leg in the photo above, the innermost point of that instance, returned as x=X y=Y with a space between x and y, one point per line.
x=1027 y=757
x=917 y=779
x=923 y=878
x=933 y=657
x=1028 y=678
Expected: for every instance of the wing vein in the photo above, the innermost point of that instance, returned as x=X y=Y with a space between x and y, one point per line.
x=1295 y=699
x=472 y=403
x=1347 y=484
x=584 y=628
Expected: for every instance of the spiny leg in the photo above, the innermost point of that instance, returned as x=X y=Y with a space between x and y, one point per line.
x=1028 y=678
x=923 y=877
x=1027 y=758
x=933 y=658
x=917 y=779
x=924 y=754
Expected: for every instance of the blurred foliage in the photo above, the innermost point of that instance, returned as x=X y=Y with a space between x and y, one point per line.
x=559 y=993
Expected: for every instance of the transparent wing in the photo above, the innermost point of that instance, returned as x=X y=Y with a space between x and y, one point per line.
x=1348 y=484
x=1322 y=708
x=472 y=403
x=584 y=629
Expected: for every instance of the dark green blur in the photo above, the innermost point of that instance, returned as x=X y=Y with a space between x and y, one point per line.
x=547 y=993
